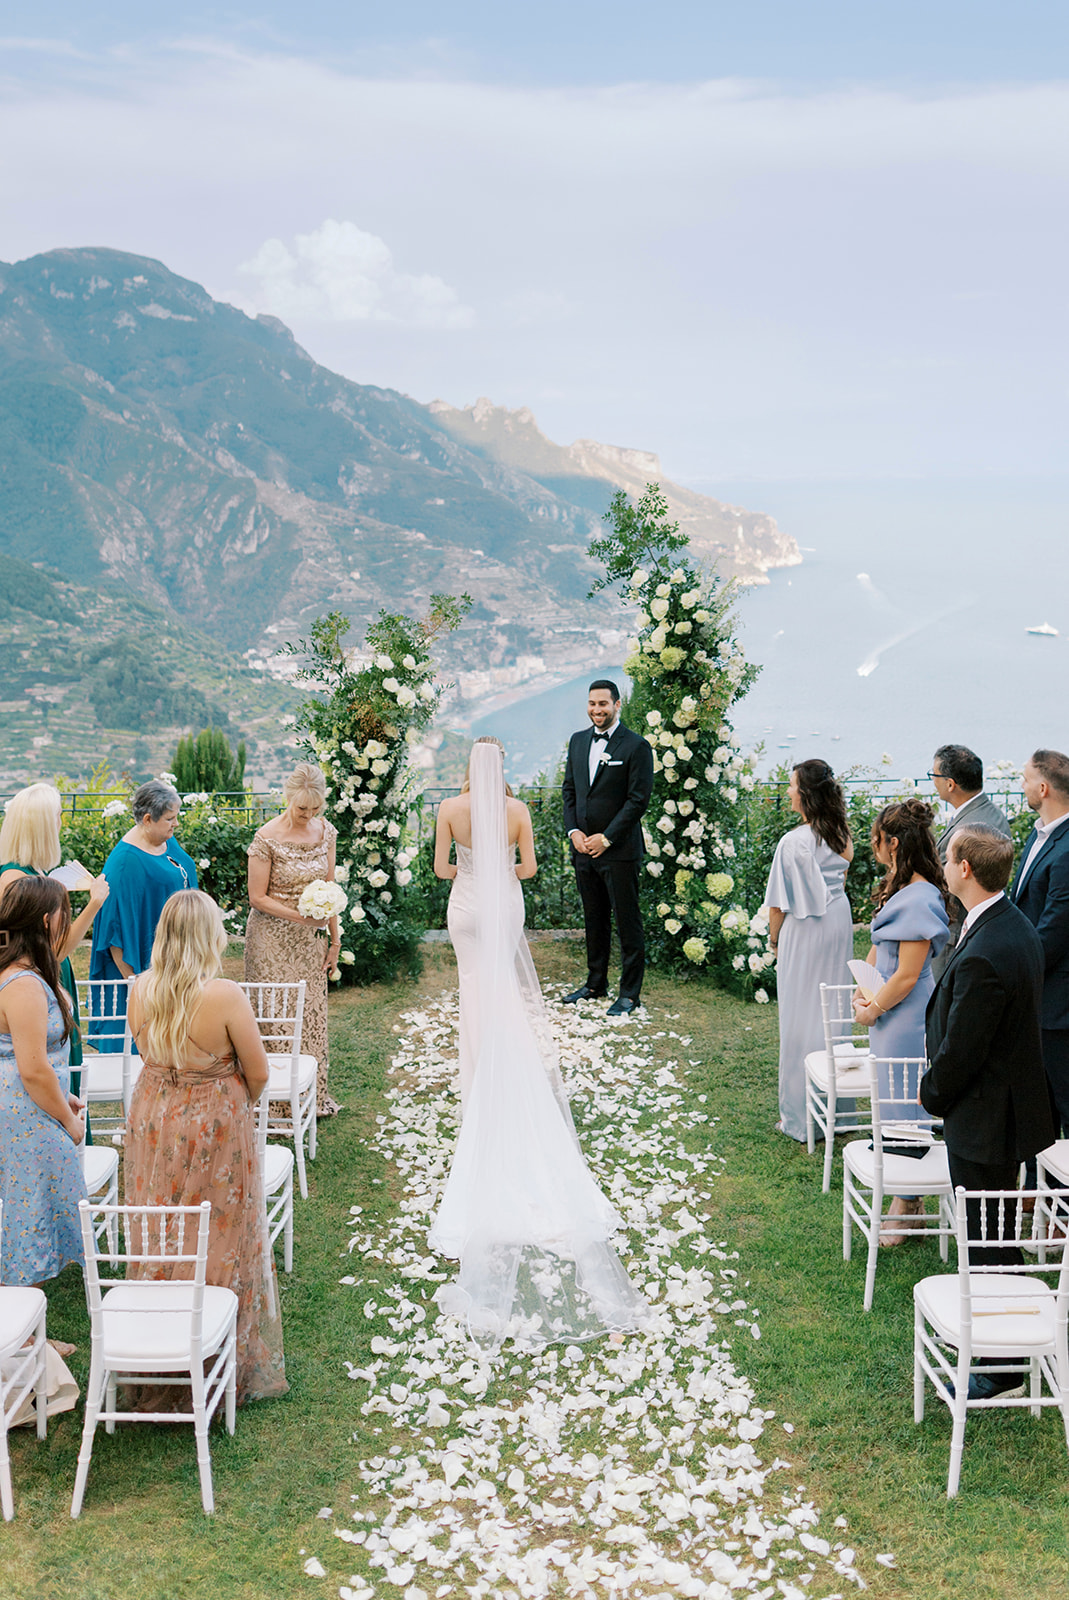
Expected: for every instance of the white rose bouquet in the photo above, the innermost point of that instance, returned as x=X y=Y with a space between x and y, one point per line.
x=321 y=900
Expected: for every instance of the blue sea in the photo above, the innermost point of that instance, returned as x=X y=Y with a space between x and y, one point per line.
x=905 y=627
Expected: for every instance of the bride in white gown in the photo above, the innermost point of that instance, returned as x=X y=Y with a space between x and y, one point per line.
x=521 y=1211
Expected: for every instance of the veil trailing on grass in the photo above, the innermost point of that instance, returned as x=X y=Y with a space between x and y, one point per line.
x=521 y=1211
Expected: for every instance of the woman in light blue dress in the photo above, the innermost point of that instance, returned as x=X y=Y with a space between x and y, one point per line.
x=41 y=1124
x=810 y=925
x=910 y=927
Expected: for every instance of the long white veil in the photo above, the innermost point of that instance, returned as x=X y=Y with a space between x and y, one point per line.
x=521 y=1210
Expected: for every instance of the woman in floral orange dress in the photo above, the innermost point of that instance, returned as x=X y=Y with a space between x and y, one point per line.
x=285 y=856
x=191 y=1134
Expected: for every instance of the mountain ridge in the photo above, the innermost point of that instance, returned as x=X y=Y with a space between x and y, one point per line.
x=157 y=438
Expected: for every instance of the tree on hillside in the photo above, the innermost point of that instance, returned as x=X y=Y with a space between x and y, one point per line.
x=207 y=764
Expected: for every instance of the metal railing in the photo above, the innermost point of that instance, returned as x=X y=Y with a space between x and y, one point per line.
x=238 y=804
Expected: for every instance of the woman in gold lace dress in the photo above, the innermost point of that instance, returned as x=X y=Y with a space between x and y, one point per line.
x=286 y=855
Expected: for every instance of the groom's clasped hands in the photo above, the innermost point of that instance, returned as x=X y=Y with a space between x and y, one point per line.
x=593 y=844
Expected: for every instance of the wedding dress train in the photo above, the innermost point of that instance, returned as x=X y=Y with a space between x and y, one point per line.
x=521 y=1211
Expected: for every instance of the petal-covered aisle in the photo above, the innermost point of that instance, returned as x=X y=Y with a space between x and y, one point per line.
x=638 y=1467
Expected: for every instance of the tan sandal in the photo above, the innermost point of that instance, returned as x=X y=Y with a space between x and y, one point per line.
x=908 y=1215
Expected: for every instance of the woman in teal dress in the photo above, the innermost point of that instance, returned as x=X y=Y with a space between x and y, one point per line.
x=30 y=847
x=41 y=1123
x=144 y=870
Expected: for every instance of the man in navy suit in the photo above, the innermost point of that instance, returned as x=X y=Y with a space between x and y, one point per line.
x=608 y=780
x=1041 y=891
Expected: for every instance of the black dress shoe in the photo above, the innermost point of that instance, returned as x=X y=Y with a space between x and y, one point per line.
x=583 y=993
x=622 y=1007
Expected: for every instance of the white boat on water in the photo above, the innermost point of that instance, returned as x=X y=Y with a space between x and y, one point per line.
x=1045 y=629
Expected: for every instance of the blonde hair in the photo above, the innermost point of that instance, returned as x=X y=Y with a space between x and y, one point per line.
x=306 y=785
x=186 y=955
x=484 y=738
x=29 y=834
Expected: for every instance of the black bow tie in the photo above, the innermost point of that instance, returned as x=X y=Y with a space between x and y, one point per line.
x=602 y=733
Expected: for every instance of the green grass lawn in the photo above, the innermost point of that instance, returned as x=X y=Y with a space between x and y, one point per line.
x=843 y=1379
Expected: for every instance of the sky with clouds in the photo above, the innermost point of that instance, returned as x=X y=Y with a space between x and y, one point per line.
x=766 y=241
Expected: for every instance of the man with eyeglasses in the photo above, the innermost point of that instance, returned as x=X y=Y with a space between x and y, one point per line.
x=958 y=776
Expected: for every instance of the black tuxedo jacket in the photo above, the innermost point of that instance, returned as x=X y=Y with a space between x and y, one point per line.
x=1044 y=899
x=985 y=1077
x=614 y=804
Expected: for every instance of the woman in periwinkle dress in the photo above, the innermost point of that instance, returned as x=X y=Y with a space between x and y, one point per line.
x=909 y=928
x=41 y=1123
x=810 y=925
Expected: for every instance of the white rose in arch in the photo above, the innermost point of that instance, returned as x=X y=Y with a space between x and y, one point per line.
x=391 y=685
x=358 y=914
x=652 y=717
x=761 y=997
x=655 y=868
x=673 y=925
x=659 y=609
x=380 y=768
x=379 y=879
x=409 y=663
x=383 y=663
x=403 y=877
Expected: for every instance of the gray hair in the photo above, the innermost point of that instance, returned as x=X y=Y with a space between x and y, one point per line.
x=153 y=799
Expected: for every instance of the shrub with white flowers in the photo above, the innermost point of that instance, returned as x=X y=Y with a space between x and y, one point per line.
x=366 y=712
x=687 y=670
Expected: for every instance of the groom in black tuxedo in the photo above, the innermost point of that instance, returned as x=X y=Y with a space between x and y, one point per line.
x=608 y=780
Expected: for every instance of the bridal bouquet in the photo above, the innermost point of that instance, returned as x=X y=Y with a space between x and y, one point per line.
x=321 y=900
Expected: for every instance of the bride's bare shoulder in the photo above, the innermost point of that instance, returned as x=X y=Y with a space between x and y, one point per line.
x=454 y=803
x=514 y=807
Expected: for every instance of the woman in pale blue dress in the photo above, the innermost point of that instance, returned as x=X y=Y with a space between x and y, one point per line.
x=810 y=925
x=41 y=1124
x=910 y=927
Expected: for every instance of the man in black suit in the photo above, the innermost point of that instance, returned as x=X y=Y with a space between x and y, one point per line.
x=985 y=1076
x=608 y=780
x=1041 y=891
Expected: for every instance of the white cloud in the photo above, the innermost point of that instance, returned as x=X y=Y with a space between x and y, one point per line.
x=747 y=280
x=339 y=273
